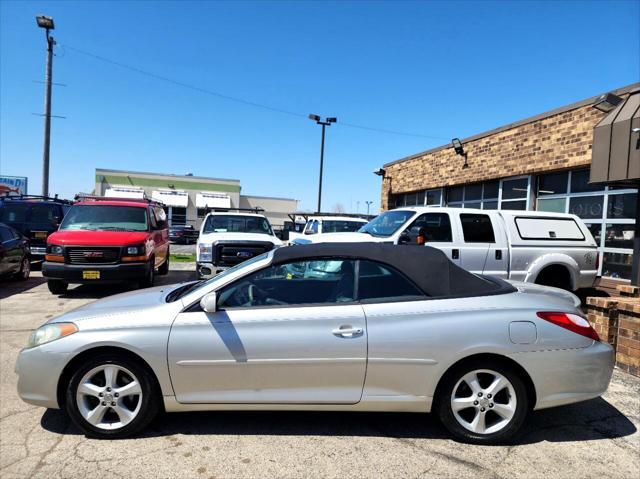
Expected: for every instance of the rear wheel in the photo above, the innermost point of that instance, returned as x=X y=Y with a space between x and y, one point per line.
x=57 y=287
x=112 y=396
x=164 y=268
x=483 y=403
x=149 y=279
x=25 y=270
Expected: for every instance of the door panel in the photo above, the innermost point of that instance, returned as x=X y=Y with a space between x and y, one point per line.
x=269 y=355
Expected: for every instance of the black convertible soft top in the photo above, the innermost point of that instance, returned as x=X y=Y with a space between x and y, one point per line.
x=429 y=268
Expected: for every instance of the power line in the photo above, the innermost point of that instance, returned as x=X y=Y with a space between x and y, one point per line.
x=236 y=99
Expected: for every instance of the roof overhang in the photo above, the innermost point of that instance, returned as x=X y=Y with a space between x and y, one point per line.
x=616 y=145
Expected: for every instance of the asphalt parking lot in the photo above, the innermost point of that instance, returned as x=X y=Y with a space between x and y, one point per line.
x=598 y=438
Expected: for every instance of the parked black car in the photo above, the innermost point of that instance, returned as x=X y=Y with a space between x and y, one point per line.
x=36 y=217
x=185 y=234
x=14 y=254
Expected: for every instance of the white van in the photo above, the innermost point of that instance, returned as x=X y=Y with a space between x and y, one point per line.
x=553 y=249
x=329 y=224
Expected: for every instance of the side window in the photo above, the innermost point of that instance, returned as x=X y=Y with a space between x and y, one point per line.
x=5 y=234
x=301 y=282
x=152 y=217
x=437 y=226
x=378 y=282
x=477 y=228
x=314 y=227
x=161 y=216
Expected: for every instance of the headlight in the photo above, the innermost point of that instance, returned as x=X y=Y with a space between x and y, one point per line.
x=50 y=332
x=205 y=252
x=135 y=250
x=55 y=249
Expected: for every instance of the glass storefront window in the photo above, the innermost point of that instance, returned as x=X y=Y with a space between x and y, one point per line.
x=554 y=205
x=617 y=265
x=580 y=182
x=433 y=197
x=473 y=192
x=455 y=194
x=553 y=183
x=596 y=231
x=472 y=204
x=490 y=205
x=514 y=205
x=514 y=189
x=586 y=207
x=622 y=206
x=619 y=236
x=491 y=189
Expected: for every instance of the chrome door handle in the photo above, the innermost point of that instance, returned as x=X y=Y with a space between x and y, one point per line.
x=347 y=332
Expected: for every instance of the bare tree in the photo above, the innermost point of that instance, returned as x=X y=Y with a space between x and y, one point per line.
x=337 y=208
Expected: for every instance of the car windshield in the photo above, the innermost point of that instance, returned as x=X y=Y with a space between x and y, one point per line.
x=237 y=224
x=340 y=226
x=105 y=218
x=387 y=223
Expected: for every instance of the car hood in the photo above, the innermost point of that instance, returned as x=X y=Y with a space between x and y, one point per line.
x=340 y=238
x=97 y=238
x=547 y=292
x=131 y=303
x=217 y=237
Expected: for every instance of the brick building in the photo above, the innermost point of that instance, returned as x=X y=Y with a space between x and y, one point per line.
x=539 y=163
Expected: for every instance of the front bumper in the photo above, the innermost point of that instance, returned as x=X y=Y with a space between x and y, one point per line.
x=208 y=270
x=72 y=273
x=567 y=376
x=38 y=372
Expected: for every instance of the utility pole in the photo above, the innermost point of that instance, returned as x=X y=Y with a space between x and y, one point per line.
x=325 y=123
x=47 y=24
x=369 y=203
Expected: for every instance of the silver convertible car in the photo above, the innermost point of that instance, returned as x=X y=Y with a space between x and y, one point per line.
x=332 y=327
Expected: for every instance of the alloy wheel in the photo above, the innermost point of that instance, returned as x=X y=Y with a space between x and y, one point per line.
x=109 y=397
x=25 y=271
x=483 y=401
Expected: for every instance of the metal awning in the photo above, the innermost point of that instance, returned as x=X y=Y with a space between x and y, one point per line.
x=616 y=144
x=124 y=192
x=171 y=198
x=213 y=200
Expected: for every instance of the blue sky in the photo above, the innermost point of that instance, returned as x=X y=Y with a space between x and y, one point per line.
x=437 y=69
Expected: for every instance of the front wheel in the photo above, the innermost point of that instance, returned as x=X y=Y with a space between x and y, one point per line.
x=112 y=396
x=150 y=276
x=485 y=403
x=164 y=268
x=57 y=287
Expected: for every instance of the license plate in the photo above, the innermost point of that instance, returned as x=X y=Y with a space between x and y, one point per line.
x=91 y=275
x=40 y=234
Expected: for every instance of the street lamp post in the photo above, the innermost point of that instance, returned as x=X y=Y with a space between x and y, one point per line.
x=325 y=123
x=47 y=24
x=369 y=203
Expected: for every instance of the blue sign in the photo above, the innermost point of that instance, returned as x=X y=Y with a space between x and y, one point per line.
x=13 y=185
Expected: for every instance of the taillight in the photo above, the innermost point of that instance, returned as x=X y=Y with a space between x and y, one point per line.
x=572 y=322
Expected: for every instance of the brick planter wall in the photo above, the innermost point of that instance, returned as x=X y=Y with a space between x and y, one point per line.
x=617 y=321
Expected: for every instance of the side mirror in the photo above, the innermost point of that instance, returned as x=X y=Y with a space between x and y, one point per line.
x=208 y=303
x=404 y=238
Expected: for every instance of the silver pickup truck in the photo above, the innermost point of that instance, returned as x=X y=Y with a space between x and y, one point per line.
x=553 y=249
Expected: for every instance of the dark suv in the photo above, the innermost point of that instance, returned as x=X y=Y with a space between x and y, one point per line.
x=36 y=217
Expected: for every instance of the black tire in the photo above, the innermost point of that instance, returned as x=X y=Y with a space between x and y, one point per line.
x=445 y=412
x=57 y=286
x=150 y=277
x=25 y=270
x=150 y=399
x=164 y=267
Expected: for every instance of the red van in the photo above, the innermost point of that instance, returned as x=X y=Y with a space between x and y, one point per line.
x=108 y=240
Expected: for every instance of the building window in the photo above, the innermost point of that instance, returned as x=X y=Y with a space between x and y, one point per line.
x=476 y=195
x=608 y=212
x=514 y=193
x=419 y=198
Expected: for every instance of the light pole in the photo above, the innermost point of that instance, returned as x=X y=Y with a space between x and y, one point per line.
x=325 y=123
x=47 y=24
x=369 y=203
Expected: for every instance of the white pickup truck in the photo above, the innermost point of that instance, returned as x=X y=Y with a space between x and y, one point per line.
x=329 y=224
x=553 y=249
x=228 y=238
